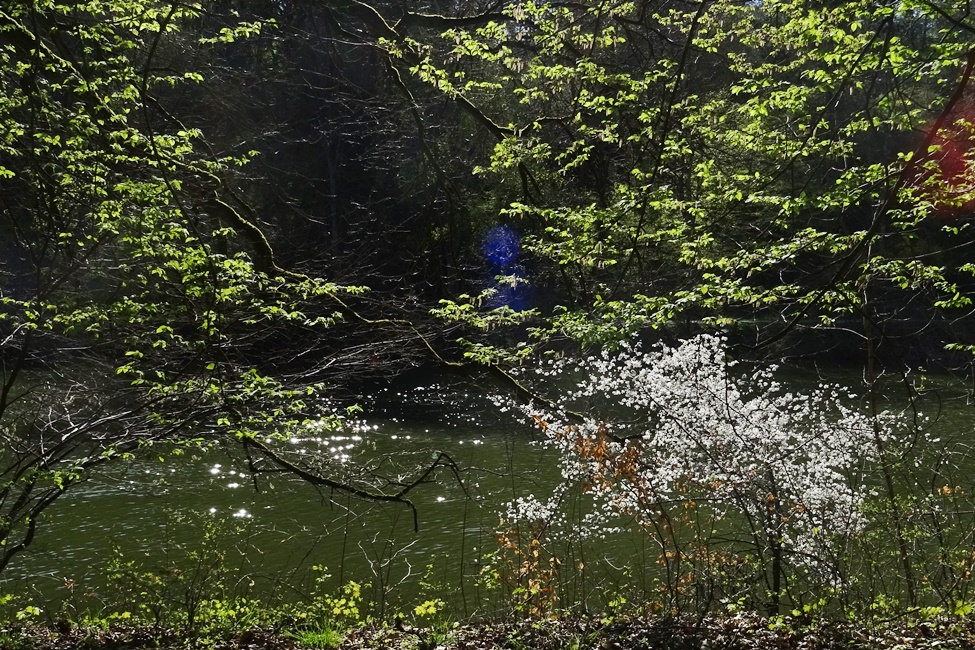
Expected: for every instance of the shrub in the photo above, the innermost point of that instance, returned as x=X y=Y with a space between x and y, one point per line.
x=749 y=489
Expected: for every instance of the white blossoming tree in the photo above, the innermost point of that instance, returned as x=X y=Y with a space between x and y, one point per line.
x=743 y=483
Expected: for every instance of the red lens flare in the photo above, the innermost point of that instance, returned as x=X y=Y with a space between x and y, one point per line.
x=948 y=177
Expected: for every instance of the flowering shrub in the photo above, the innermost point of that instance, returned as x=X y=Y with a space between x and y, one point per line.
x=731 y=472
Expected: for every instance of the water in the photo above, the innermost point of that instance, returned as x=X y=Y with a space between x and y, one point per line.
x=276 y=527
x=269 y=532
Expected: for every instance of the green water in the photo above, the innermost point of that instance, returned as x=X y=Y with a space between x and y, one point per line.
x=270 y=534
x=277 y=528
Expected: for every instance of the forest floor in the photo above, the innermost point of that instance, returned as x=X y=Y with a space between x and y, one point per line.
x=743 y=632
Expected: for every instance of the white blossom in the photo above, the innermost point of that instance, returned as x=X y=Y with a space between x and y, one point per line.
x=679 y=423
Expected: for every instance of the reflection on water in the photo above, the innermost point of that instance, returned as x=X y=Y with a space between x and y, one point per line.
x=149 y=510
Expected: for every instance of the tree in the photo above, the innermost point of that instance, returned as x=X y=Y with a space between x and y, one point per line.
x=139 y=296
x=771 y=164
x=749 y=489
x=776 y=169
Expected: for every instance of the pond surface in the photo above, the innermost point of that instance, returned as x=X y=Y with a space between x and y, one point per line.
x=154 y=512
x=269 y=535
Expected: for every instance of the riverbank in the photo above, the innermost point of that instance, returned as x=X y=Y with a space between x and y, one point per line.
x=740 y=632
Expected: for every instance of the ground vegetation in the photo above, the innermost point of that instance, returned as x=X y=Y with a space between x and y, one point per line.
x=650 y=633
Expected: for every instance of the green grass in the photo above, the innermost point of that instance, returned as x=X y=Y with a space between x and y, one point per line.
x=324 y=636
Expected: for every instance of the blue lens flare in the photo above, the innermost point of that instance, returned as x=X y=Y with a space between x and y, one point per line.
x=513 y=291
x=501 y=245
